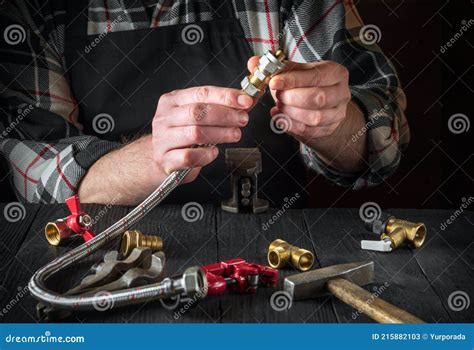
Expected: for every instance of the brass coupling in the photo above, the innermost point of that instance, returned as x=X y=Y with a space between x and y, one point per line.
x=57 y=231
x=133 y=239
x=269 y=65
x=399 y=231
x=280 y=253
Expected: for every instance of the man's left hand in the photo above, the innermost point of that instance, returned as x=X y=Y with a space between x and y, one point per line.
x=313 y=96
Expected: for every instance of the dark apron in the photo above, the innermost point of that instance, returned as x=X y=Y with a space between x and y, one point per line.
x=125 y=74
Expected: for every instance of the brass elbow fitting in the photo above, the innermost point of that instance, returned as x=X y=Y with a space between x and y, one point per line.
x=57 y=231
x=134 y=239
x=281 y=252
x=399 y=231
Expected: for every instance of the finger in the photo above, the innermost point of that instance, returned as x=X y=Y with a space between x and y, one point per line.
x=208 y=94
x=324 y=73
x=318 y=118
x=186 y=136
x=304 y=132
x=252 y=63
x=206 y=114
x=188 y=158
x=315 y=97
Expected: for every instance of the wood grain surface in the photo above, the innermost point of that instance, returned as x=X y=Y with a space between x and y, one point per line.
x=420 y=281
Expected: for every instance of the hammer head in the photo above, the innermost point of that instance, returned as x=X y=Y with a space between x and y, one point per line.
x=313 y=283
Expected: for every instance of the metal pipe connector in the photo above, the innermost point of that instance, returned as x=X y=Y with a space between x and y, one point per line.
x=399 y=231
x=57 y=231
x=134 y=238
x=269 y=65
x=280 y=253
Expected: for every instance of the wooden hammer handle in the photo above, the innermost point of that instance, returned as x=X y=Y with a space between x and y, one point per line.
x=363 y=301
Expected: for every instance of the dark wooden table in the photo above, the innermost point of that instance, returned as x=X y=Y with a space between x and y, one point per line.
x=420 y=281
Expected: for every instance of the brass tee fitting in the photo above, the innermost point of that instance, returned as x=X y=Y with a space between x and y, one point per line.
x=399 y=231
x=134 y=239
x=281 y=252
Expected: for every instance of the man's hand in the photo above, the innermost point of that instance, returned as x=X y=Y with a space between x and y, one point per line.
x=199 y=115
x=183 y=118
x=315 y=98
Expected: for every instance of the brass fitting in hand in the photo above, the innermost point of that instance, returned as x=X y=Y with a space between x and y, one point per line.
x=399 y=231
x=281 y=252
x=57 y=231
x=269 y=65
x=134 y=239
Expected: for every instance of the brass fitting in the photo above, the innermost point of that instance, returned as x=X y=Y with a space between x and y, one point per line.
x=399 y=231
x=281 y=252
x=57 y=231
x=133 y=239
x=269 y=65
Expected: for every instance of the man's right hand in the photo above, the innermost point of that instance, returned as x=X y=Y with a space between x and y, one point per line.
x=183 y=118
x=197 y=115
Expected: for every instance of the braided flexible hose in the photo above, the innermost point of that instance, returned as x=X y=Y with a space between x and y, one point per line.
x=37 y=284
x=270 y=64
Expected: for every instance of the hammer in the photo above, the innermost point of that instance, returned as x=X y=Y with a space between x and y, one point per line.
x=344 y=281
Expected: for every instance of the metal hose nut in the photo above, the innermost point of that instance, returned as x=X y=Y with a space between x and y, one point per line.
x=134 y=238
x=399 y=231
x=280 y=253
x=57 y=231
x=269 y=65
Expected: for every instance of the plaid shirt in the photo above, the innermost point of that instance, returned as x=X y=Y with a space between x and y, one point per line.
x=40 y=134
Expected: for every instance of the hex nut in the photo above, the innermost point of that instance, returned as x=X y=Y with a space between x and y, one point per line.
x=195 y=282
x=249 y=88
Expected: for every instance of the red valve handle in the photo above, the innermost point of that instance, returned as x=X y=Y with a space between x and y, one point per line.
x=79 y=222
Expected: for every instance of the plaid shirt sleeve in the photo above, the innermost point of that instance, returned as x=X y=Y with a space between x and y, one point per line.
x=333 y=30
x=39 y=132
